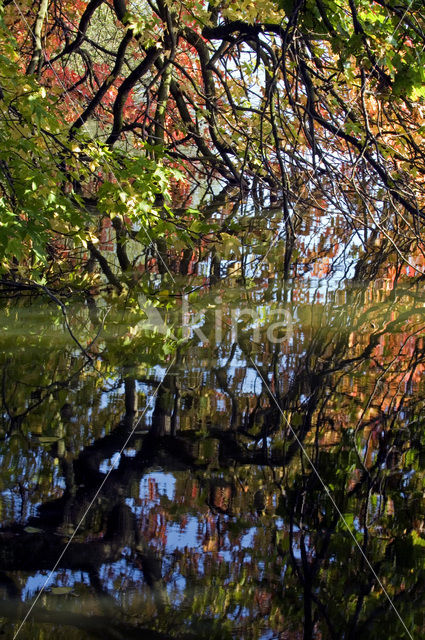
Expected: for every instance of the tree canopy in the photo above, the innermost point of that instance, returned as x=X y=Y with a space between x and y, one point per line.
x=115 y=111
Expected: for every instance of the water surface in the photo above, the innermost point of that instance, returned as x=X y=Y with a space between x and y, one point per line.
x=205 y=481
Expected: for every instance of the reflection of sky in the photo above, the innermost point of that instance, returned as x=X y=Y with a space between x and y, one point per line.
x=61 y=578
x=178 y=539
x=20 y=500
x=118 y=576
x=105 y=397
x=165 y=483
x=123 y=574
x=190 y=536
x=109 y=463
x=124 y=579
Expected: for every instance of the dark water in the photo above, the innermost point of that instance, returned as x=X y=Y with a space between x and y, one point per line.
x=272 y=486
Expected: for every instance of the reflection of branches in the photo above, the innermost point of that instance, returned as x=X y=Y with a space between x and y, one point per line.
x=48 y=389
x=62 y=307
x=316 y=395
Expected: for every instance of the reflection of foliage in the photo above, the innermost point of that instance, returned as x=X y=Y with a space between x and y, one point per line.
x=238 y=537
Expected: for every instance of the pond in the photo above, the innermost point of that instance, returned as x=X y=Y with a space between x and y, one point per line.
x=238 y=452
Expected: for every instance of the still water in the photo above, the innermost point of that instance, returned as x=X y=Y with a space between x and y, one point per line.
x=205 y=476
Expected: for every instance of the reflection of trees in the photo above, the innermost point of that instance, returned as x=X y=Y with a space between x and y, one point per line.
x=271 y=551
